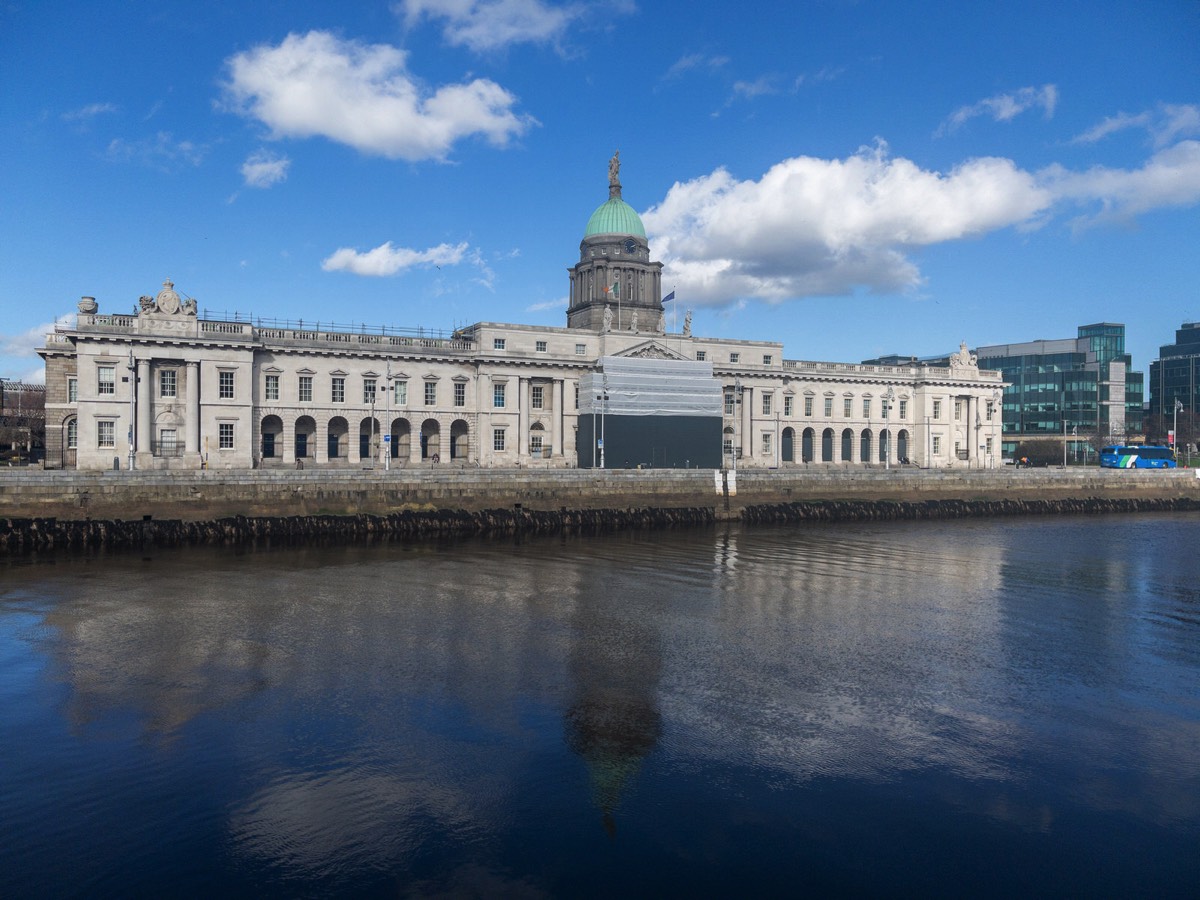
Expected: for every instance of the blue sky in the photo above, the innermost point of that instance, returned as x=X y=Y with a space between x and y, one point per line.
x=852 y=179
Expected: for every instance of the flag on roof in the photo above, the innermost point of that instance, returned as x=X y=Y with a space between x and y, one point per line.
x=669 y=297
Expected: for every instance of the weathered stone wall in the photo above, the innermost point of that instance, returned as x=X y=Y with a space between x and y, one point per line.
x=209 y=495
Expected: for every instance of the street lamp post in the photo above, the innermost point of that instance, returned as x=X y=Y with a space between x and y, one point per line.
x=603 y=414
x=888 y=397
x=1175 y=427
x=387 y=441
x=132 y=433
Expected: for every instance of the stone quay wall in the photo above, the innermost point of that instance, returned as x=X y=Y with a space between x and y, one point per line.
x=41 y=509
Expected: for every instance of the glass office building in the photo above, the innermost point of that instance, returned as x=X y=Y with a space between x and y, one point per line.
x=1175 y=375
x=1082 y=390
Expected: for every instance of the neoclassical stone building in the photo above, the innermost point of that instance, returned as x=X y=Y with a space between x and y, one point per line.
x=164 y=387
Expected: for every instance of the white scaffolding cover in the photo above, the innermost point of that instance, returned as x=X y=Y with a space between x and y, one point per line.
x=651 y=387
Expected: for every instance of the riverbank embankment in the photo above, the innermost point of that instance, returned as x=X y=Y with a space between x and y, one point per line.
x=41 y=509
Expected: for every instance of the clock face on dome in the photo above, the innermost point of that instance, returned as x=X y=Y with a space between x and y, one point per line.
x=630 y=245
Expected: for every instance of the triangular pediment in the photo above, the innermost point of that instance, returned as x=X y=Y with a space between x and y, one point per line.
x=651 y=350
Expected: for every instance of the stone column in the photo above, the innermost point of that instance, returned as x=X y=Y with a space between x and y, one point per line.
x=522 y=418
x=747 y=423
x=972 y=432
x=556 y=419
x=142 y=437
x=191 y=428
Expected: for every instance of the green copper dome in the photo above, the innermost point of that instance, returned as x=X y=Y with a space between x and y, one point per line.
x=615 y=216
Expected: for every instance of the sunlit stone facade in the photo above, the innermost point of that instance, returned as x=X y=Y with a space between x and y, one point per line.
x=164 y=387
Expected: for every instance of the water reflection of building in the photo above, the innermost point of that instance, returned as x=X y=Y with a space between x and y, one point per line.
x=615 y=664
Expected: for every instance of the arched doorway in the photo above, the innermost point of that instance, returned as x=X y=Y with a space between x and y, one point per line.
x=864 y=446
x=70 y=442
x=368 y=439
x=337 y=442
x=401 y=440
x=306 y=437
x=806 y=445
x=271 y=438
x=787 y=445
x=537 y=441
x=885 y=438
x=847 y=445
x=902 y=446
x=727 y=444
x=431 y=440
x=827 y=445
x=460 y=434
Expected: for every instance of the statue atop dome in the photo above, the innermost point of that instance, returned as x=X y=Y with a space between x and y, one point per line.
x=614 y=176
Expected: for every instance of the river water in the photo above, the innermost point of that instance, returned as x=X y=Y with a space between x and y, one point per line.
x=970 y=708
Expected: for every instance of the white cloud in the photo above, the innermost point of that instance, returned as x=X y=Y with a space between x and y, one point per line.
x=561 y=303
x=484 y=25
x=388 y=260
x=1170 y=178
x=1005 y=107
x=1167 y=123
x=18 y=356
x=263 y=169
x=362 y=95
x=693 y=61
x=89 y=112
x=163 y=151
x=825 y=227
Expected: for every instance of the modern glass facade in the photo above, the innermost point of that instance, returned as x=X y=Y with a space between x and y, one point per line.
x=1080 y=389
x=1175 y=375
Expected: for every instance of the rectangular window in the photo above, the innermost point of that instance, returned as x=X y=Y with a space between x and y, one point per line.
x=72 y=390
x=460 y=394
x=991 y=409
x=225 y=435
x=166 y=442
x=497 y=438
x=937 y=444
x=766 y=404
x=431 y=393
x=808 y=406
x=866 y=409
x=306 y=388
x=535 y=444
x=958 y=406
x=767 y=359
x=337 y=390
x=727 y=444
x=498 y=395
x=497 y=343
x=106 y=433
x=538 y=394
x=729 y=403
x=540 y=346
x=847 y=407
x=989 y=447
x=903 y=409
x=828 y=407
x=787 y=405
x=73 y=434
x=106 y=380
x=272 y=387
x=734 y=357
x=225 y=385
x=369 y=390
x=580 y=349
x=166 y=383
x=937 y=409
x=400 y=393
x=577 y=396
x=766 y=443
x=701 y=355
